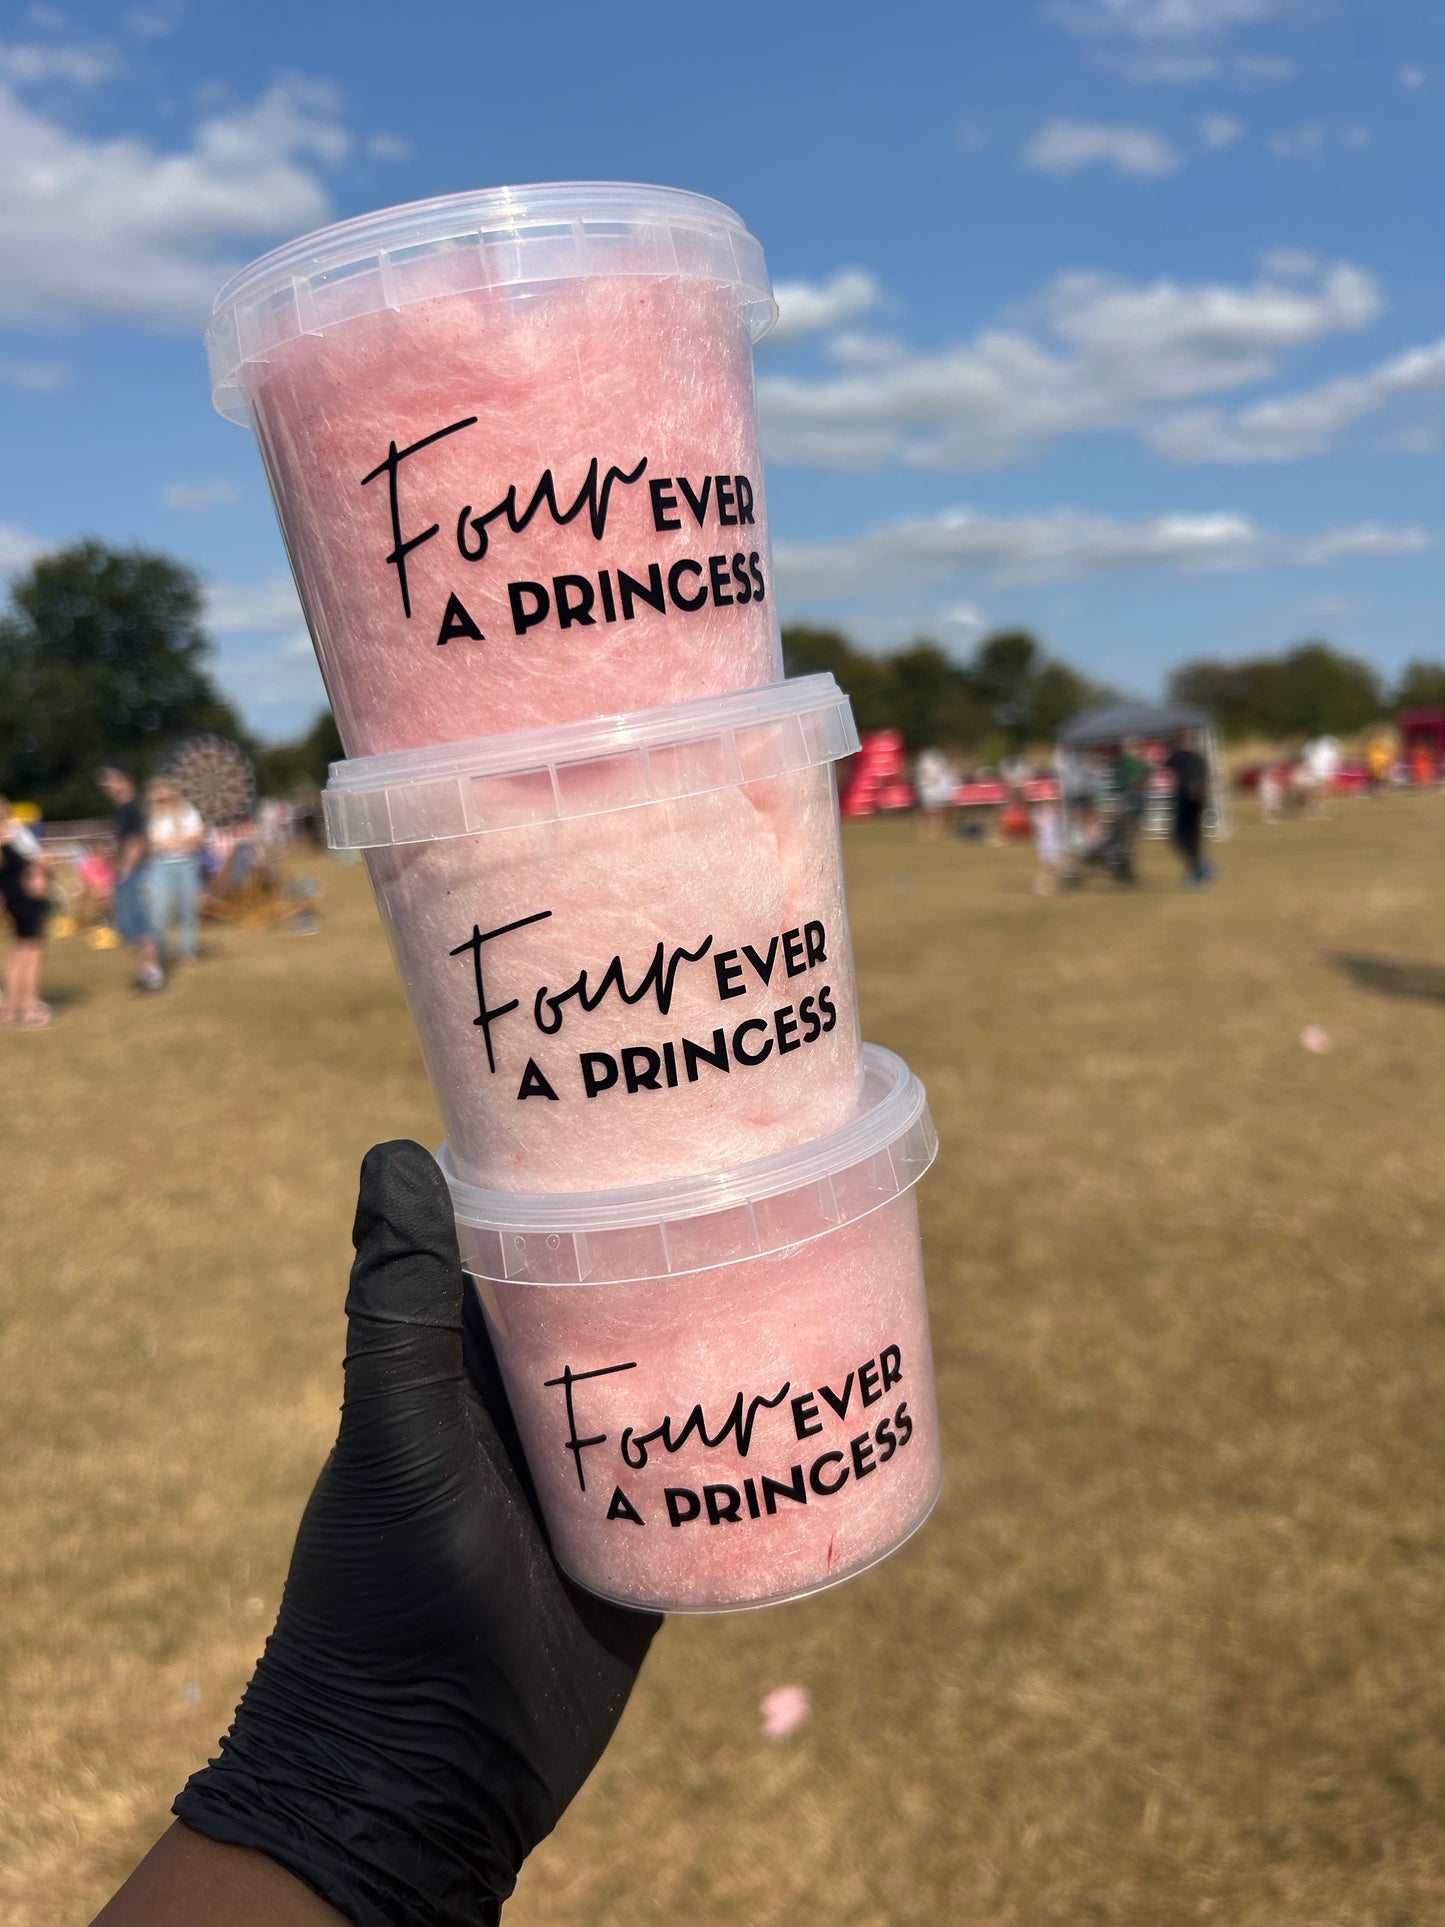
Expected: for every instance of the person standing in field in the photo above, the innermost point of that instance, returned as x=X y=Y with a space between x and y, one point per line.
x=1191 y=795
x=935 y=781
x=25 y=898
x=174 y=833
x=130 y=902
x=1129 y=780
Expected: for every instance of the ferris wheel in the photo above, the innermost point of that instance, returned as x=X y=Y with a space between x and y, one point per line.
x=216 y=776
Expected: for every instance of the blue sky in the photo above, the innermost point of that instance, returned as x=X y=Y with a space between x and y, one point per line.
x=1124 y=319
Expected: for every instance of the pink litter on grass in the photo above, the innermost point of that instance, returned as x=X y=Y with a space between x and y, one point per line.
x=1315 y=1039
x=784 y=1710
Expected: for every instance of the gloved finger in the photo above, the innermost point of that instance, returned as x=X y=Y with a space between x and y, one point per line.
x=490 y=1394
x=404 y=1308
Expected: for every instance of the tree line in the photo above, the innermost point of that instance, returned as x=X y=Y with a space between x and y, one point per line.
x=1311 y=690
x=1011 y=692
x=104 y=658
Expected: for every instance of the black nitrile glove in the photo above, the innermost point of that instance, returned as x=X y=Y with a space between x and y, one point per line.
x=434 y=1692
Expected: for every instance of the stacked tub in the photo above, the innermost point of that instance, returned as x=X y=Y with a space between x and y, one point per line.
x=512 y=443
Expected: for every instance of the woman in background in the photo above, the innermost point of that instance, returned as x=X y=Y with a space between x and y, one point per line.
x=174 y=832
x=25 y=898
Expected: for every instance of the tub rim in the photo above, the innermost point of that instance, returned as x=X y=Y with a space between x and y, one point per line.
x=594 y=767
x=678 y=1226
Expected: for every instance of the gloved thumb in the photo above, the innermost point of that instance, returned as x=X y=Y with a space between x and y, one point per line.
x=404 y=1307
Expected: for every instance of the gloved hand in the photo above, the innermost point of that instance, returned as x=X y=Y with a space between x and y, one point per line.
x=435 y=1692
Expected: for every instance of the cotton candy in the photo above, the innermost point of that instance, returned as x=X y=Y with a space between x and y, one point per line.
x=756 y=864
x=646 y=375
x=846 y=1310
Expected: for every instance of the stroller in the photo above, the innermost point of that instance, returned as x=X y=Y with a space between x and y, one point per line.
x=1104 y=843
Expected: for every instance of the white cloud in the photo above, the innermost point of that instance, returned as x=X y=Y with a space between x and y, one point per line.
x=18 y=548
x=855 y=349
x=1064 y=146
x=1290 y=264
x=153 y=22
x=256 y=608
x=35 y=63
x=1177 y=69
x=1219 y=131
x=116 y=227
x=1170 y=22
x=1290 y=426
x=1263 y=70
x=1316 y=140
x=277 y=685
x=1412 y=77
x=806 y=306
x=265 y=661
x=35 y=377
x=198 y=498
x=388 y=147
x=1061 y=544
x=1177 y=42
x=1189 y=68
x=1419 y=440
x=1122 y=356
x=965 y=619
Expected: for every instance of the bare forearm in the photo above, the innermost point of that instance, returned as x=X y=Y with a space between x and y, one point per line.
x=188 y=1881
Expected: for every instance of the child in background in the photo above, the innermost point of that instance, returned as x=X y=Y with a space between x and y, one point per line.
x=25 y=898
x=1048 y=848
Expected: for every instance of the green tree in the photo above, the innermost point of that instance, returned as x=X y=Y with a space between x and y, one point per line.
x=102 y=659
x=1312 y=690
x=932 y=700
x=865 y=679
x=1054 y=694
x=283 y=769
x=1324 y=692
x=1003 y=671
x=1421 y=686
x=1009 y=692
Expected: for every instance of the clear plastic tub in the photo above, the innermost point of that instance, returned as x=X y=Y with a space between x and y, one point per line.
x=624 y=943
x=724 y=1385
x=512 y=442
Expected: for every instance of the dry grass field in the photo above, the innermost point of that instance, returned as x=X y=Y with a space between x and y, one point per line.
x=1171 y=1651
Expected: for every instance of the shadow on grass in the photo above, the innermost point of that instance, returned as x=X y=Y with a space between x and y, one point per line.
x=64 y=999
x=1396 y=976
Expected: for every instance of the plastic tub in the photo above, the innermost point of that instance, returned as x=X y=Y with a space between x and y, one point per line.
x=624 y=943
x=512 y=443
x=724 y=1385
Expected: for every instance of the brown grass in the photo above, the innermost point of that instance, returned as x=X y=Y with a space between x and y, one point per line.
x=1171 y=1649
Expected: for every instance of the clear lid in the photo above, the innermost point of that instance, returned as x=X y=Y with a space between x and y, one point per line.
x=682 y=1225
x=494 y=237
x=586 y=768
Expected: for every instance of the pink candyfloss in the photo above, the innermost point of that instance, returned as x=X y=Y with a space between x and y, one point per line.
x=754 y=866
x=784 y=1710
x=644 y=379
x=811 y=1372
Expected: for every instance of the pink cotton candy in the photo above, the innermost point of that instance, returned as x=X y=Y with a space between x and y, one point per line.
x=837 y=1477
x=645 y=376
x=784 y=1710
x=754 y=866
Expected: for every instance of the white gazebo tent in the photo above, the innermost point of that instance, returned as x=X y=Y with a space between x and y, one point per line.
x=1110 y=725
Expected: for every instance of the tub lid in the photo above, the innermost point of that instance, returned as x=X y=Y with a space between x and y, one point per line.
x=588 y=768
x=494 y=237
x=682 y=1225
